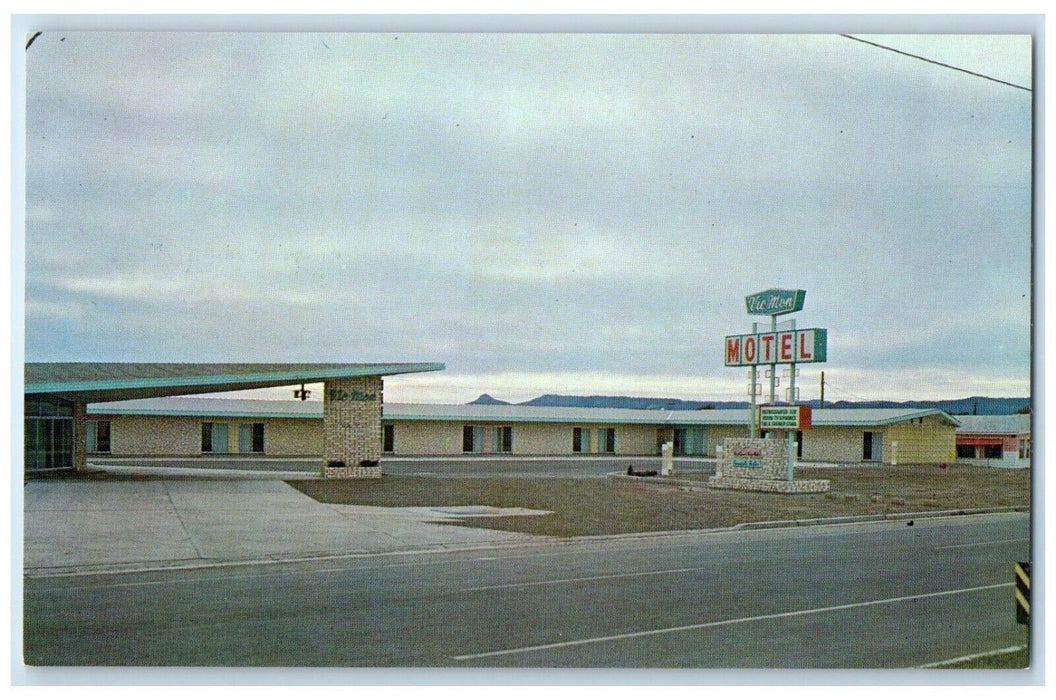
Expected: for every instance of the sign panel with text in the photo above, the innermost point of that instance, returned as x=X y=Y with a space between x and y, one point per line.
x=775 y=302
x=784 y=418
x=777 y=347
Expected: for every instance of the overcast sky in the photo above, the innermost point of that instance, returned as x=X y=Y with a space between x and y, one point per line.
x=551 y=213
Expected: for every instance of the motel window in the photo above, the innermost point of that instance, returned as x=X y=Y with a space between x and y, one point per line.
x=43 y=408
x=502 y=439
x=472 y=438
x=691 y=441
x=1024 y=449
x=214 y=437
x=607 y=440
x=250 y=437
x=97 y=436
x=992 y=452
x=966 y=451
x=581 y=440
x=873 y=446
x=388 y=437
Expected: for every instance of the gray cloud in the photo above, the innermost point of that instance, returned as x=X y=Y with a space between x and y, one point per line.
x=550 y=203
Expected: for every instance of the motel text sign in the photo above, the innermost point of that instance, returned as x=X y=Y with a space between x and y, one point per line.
x=777 y=347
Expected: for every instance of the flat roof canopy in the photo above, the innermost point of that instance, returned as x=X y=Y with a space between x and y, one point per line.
x=117 y=381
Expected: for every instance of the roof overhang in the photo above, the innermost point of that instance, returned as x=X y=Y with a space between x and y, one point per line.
x=86 y=382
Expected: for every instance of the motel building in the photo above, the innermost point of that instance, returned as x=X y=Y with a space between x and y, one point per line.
x=61 y=432
x=193 y=426
x=74 y=412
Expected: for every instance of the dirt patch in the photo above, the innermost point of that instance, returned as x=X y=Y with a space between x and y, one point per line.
x=609 y=506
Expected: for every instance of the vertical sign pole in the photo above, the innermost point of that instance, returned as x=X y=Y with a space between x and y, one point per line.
x=792 y=400
x=754 y=372
x=773 y=367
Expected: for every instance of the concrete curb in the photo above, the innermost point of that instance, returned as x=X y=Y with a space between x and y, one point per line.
x=200 y=473
x=660 y=481
x=880 y=517
x=199 y=564
x=809 y=522
x=186 y=565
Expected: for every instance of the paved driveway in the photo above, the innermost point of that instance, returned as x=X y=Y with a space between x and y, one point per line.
x=108 y=524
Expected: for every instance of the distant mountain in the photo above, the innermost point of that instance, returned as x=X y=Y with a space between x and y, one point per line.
x=488 y=400
x=974 y=405
x=980 y=405
x=618 y=402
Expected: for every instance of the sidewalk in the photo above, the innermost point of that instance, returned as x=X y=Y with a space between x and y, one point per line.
x=79 y=525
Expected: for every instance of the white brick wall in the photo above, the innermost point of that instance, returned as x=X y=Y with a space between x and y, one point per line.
x=352 y=427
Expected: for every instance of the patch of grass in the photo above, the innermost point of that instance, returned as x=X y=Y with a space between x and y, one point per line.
x=610 y=506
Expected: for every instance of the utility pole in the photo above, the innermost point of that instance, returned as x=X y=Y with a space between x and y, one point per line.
x=821 y=401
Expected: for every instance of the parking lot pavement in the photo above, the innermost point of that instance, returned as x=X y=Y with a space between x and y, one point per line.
x=75 y=525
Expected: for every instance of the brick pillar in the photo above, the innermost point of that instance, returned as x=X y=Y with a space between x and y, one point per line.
x=80 y=420
x=352 y=428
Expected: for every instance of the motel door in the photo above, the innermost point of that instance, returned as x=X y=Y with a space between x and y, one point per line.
x=872 y=446
x=48 y=436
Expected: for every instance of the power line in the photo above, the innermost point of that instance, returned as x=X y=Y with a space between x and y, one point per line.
x=937 y=63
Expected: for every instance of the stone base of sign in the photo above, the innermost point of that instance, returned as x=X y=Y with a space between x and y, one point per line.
x=769 y=485
x=759 y=464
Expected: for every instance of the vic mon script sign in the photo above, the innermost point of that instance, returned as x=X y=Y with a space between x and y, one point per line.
x=775 y=302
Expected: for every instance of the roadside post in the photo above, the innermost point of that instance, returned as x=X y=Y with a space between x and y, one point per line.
x=667 y=454
x=1022 y=592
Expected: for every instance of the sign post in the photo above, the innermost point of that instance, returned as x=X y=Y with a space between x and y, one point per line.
x=753 y=376
x=792 y=399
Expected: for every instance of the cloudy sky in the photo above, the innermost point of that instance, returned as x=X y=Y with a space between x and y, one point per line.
x=567 y=213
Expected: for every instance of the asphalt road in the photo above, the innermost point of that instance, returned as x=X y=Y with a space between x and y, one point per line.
x=475 y=466
x=870 y=595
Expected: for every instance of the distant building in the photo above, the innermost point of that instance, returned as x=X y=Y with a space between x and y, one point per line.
x=197 y=426
x=996 y=441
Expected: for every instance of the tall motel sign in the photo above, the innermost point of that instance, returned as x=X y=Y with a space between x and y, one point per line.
x=772 y=347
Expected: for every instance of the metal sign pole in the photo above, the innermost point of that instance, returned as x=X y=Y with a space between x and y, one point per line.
x=792 y=400
x=754 y=374
x=773 y=367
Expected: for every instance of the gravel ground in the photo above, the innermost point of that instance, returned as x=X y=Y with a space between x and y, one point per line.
x=615 y=506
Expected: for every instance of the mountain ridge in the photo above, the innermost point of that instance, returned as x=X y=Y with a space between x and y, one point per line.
x=980 y=405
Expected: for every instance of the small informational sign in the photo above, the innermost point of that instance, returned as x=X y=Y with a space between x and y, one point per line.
x=747 y=457
x=784 y=417
x=775 y=302
x=781 y=347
